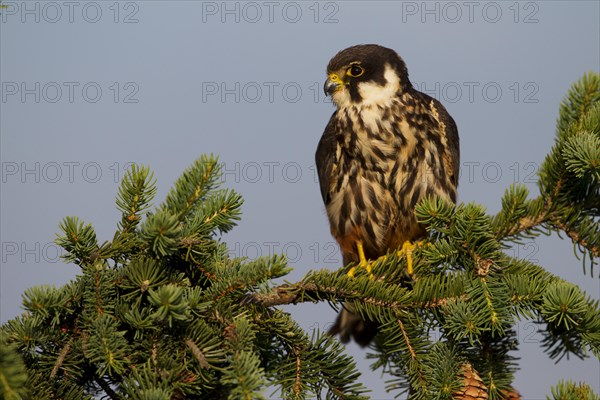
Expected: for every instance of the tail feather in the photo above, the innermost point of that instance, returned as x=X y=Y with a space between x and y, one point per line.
x=350 y=325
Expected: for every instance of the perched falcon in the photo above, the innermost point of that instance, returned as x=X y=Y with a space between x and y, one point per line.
x=385 y=147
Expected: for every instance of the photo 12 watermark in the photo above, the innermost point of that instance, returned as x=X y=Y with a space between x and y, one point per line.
x=55 y=12
x=270 y=12
x=486 y=92
x=56 y=172
x=452 y=12
x=69 y=92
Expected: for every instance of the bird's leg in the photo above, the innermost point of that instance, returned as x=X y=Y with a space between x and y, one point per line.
x=407 y=249
x=363 y=263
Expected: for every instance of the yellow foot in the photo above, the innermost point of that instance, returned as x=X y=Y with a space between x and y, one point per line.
x=363 y=263
x=407 y=250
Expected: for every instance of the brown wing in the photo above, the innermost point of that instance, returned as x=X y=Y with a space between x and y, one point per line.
x=324 y=157
x=451 y=158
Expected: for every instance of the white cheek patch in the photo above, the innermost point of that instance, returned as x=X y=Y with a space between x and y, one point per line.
x=374 y=94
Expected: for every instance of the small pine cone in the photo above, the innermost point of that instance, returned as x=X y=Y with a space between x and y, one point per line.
x=473 y=388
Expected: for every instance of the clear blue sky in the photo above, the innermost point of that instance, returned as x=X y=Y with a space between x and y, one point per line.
x=88 y=87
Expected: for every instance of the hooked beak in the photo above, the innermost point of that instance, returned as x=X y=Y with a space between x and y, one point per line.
x=332 y=84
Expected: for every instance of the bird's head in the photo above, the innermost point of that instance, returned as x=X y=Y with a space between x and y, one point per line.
x=367 y=74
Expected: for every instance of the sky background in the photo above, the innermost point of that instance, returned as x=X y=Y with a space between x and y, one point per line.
x=89 y=87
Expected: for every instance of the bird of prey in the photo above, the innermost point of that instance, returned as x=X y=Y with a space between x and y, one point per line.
x=386 y=147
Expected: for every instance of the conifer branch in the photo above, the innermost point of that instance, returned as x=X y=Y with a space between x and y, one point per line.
x=303 y=292
x=197 y=353
x=106 y=387
x=307 y=292
x=411 y=350
x=61 y=358
x=298 y=381
x=136 y=191
x=530 y=222
x=594 y=250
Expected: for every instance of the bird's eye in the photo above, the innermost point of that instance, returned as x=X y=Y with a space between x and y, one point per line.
x=355 y=70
